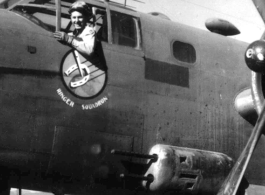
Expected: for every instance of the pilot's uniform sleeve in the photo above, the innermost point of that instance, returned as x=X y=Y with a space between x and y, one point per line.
x=85 y=42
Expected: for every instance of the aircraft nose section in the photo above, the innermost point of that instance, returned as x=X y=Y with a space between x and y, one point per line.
x=187 y=170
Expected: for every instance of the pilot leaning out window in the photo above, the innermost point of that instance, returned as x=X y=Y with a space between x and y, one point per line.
x=83 y=38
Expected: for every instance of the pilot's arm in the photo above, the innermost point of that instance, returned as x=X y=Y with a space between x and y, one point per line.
x=85 y=44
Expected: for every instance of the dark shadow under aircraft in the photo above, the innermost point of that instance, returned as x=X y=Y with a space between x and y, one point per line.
x=163 y=108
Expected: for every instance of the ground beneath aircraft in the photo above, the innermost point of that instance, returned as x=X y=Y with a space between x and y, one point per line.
x=252 y=190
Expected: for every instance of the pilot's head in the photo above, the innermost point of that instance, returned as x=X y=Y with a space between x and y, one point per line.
x=80 y=13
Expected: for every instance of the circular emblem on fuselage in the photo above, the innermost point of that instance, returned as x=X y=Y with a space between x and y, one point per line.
x=84 y=78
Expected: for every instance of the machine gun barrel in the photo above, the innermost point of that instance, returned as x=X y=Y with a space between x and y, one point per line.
x=231 y=184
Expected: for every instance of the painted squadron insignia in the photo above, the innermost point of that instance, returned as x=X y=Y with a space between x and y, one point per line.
x=82 y=78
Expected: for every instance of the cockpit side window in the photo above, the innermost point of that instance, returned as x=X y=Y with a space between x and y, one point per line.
x=125 y=30
x=43 y=17
x=101 y=24
x=46 y=18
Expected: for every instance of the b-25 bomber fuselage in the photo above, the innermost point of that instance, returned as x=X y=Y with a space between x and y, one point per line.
x=152 y=85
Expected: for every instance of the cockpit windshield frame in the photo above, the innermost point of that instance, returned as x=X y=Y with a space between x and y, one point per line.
x=47 y=16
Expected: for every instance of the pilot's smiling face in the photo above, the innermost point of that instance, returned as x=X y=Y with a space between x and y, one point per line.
x=78 y=20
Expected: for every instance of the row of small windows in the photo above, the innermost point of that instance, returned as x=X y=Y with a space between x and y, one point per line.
x=124 y=27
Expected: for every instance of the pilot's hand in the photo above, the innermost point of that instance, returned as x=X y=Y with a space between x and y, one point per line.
x=61 y=36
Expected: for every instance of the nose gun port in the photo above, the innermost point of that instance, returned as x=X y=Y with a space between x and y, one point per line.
x=187 y=170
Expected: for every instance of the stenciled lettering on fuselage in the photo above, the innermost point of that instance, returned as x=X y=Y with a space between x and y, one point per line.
x=71 y=103
x=95 y=105
x=84 y=79
x=68 y=101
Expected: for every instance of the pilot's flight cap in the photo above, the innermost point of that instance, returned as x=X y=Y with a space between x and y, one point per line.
x=81 y=7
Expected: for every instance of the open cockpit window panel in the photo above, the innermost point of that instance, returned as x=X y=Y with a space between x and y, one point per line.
x=98 y=17
x=101 y=24
x=42 y=16
x=125 y=30
x=43 y=13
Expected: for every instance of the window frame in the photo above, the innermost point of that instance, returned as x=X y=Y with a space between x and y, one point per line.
x=137 y=34
x=187 y=64
x=108 y=7
x=131 y=13
x=40 y=23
